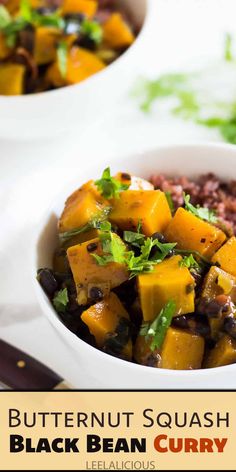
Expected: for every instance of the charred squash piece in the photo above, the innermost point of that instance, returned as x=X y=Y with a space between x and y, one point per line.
x=88 y=274
x=12 y=79
x=182 y=350
x=192 y=233
x=225 y=257
x=168 y=281
x=81 y=64
x=108 y=322
x=223 y=353
x=80 y=208
x=86 y=7
x=148 y=207
x=45 y=44
x=117 y=33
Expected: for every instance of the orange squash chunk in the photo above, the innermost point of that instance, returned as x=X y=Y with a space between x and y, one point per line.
x=4 y=49
x=81 y=64
x=167 y=282
x=225 y=257
x=148 y=207
x=223 y=353
x=12 y=79
x=45 y=44
x=88 y=274
x=103 y=319
x=86 y=7
x=80 y=208
x=182 y=350
x=192 y=233
x=117 y=33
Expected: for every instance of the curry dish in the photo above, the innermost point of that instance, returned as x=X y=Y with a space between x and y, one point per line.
x=48 y=44
x=144 y=278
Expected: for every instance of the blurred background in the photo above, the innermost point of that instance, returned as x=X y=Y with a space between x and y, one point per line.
x=181 y=35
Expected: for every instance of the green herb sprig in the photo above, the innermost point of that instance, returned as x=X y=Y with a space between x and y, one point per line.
x=61 y=300
x=109 y=186
x=189 y=262
x=201 y=212
x=155 y=331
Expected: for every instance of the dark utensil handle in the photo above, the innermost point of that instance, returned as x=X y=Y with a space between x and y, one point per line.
x=23 y=372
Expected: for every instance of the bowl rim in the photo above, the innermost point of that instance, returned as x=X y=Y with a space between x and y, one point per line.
x=59 y=91
x=51 y=314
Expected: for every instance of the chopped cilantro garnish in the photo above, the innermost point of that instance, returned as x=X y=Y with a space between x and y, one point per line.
x=155 y=331
x=135 y=239
x=112 y=245
x=62 y=51
x=92 y=29
x=228 y=54
x=170 y=201
x=109 y=186
x=94 y=223
x=61 y=300
x=189 y=262
x=115 y=250
x=5 y=17
x=201 y=212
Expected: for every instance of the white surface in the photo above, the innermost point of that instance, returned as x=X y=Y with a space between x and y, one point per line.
x=183 y=31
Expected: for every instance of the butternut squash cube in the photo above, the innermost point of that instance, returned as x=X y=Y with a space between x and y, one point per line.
x=4 y=49
x=225 y=257
x=12 y=79
x=81 y=64
x=80 y=208
x=182 y=350
x=117 y=33
x=103 y=320
x=148 y=207
x=218 y=282
x=86 y=7
x=45 y=44
x=192 y=233
x=88 y=274
x=223 y=353
x=167 y=282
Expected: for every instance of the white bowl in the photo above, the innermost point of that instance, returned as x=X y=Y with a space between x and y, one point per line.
x=54 y=113
x=107 y=371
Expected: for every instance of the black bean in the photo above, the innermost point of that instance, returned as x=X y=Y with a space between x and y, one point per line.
x=91 y=247
x=47 y=281
x=159 y=236
x=180 y=322
x=96 y=294
x=125 y=176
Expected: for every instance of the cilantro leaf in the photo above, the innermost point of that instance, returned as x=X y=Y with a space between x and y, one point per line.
x=189 y=262
x=94 y=223
x=155 y=331
x=25 y=10
x=109 y=186
x=61 y=300
x=5 y=17
x=113 y=247
x=62 y=51
x=170 y=201
x=228 y=54
x=135 y=239
x=201 y=212
x=145 y=261
x=92 y=29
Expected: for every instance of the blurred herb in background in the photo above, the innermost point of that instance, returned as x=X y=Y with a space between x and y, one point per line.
x=181 y=91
